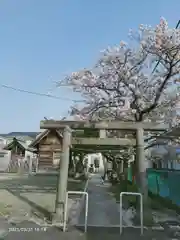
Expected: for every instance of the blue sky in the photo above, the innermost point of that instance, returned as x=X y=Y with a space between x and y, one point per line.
x=42 y=40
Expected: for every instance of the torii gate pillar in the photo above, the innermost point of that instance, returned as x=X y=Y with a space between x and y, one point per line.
x=63 y=176
x=140 y=160
x=102 y=134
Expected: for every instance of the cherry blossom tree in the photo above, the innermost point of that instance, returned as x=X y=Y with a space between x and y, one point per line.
x=124 y=74
x=125 y=83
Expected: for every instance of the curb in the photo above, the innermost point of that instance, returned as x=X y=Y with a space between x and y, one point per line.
x=74 y=213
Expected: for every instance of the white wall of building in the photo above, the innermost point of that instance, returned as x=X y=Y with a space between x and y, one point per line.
x=91 y=158
x=29 y=154
x=168 y=156
x=3 y=142
x=5 y=157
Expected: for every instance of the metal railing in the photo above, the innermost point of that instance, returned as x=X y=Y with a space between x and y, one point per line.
x=141 y=209
x=66 y=208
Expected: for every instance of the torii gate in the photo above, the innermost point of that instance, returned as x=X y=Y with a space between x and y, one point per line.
x=114 y=143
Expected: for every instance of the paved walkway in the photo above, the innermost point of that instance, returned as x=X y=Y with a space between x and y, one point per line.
x=103 y=214
x=103 y=217
x=29 y=231
x=103 y=209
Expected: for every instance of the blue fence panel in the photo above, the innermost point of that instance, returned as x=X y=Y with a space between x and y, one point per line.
x=165 y=183
x=152 y=182
x=174 y=180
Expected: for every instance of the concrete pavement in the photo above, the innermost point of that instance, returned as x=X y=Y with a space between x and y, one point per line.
x=103 y=209
x=29 y=230
x=103 y=219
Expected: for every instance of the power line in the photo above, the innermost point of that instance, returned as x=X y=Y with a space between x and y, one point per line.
x=38 y=94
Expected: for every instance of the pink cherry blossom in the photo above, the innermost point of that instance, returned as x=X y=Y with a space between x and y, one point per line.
x=125 y=74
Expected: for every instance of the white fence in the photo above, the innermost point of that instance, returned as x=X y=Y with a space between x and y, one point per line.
x=24 y=165
x=14 y=164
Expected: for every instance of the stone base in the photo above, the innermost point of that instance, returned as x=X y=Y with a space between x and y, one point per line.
x=57 y=220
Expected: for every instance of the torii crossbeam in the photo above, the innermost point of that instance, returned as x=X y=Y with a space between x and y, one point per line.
x=68 y=141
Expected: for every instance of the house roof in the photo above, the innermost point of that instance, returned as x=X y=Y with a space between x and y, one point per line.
x=30 y=134
x=42 y=135
x=21 y=144
x=19 y=138
x=22 y=134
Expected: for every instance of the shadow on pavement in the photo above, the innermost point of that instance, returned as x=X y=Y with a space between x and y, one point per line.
x=113 y=233
x=23 y=188
x=40 y=211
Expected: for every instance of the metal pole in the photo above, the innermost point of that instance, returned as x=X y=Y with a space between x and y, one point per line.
x=120 y=210
x=63 y=176
x=86 y=212
x=141 y=209
x=66 y=208
x=65 y=212
x=141 y=213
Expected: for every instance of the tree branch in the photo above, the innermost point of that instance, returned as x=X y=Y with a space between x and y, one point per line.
x=158 y=95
